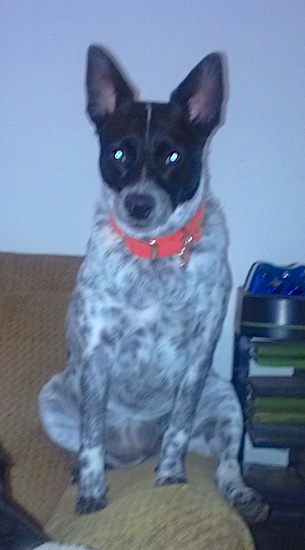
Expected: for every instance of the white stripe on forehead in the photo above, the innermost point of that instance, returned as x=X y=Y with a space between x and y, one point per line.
x=148 y=119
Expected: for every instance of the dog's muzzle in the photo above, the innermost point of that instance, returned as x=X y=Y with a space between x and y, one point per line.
x=139 y=205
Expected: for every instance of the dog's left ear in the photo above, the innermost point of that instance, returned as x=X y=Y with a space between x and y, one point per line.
x=200 y=95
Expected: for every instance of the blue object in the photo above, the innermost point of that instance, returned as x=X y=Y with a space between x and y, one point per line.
x=265 y=278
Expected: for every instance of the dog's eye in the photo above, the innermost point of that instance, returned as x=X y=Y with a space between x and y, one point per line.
x=119 y=155
x=172 y=158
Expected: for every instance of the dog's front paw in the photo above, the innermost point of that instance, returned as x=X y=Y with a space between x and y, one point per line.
x=58 y=546
x=250 y=504
x=170 y=475
x=170 y=470
x=88 y=505
x=170 y=480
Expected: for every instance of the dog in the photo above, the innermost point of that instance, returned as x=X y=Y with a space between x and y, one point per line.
x=18 y=531
x=150 y=297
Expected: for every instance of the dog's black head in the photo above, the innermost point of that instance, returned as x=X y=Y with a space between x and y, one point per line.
x=151 y=152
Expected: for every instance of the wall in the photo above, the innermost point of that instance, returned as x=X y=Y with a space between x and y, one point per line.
x=48 y=154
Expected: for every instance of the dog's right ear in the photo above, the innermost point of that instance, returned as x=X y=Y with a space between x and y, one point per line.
x=106 y=86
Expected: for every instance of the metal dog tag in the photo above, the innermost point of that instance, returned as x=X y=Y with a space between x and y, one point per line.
x=185 y=252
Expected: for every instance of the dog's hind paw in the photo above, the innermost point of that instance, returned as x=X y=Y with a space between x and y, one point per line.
x=250 y=504
x=88 y=505
x=74 y=475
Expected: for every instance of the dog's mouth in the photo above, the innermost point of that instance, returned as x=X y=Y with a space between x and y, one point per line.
x=139 y=206
x=142 y=208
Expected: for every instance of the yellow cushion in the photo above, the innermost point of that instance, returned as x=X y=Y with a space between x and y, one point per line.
x=141 y=516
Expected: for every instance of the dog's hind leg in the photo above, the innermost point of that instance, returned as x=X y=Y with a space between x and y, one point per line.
x=217 y=431
x=59 y=413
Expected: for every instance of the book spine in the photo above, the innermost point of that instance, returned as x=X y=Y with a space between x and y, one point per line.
x=280 y=405
x=276 y=386
x=278 y=418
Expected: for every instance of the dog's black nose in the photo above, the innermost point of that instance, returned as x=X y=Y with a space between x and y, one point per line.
x=139 y=205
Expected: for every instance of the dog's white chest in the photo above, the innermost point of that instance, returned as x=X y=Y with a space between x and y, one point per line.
x=144 y=319
x=143 y=327
x=149 y=362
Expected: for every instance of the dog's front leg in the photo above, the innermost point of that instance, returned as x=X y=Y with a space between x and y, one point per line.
x=176 y=438
x=203 y=339
x=91 y=459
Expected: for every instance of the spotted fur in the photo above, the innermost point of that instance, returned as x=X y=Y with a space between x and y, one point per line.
x=141 y=333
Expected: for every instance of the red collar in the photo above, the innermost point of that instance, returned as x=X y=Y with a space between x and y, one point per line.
x=168 y=245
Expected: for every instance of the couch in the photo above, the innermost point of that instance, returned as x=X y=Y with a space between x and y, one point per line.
x=34 y=293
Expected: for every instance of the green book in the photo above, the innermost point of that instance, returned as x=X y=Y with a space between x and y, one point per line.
x=280 y=404
x=278 y=417
x=287 y=350
x=280 y=355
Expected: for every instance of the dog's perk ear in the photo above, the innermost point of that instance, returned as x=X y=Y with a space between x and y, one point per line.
x=200 y=95
x=106 y=86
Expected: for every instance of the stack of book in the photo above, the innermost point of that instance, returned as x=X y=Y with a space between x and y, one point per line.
x=275 y=411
